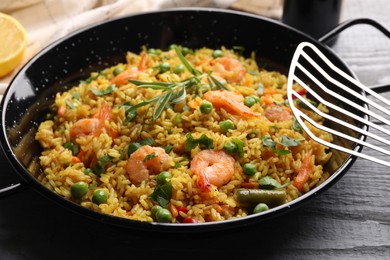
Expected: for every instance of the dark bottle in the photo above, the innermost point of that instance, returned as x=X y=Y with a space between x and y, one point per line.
x=314 y=17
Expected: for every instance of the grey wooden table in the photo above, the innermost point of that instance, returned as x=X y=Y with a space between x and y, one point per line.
x=351 y=220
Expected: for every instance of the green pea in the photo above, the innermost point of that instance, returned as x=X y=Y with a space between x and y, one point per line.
x=206 y=107
x=230 y=147
x=172 y=46
x=226 y=125
x=79 y=189
x=154 y=210
x=217 y=53
x=163 y=215
x=185 y=51
x=260 y=208
x=153 y=51
x=165 y=66
x=118 y=70
x=249 y=169
x=133 y=147
x=162 y=177
x=249 y=101
x=179 y=69
x=99 y=197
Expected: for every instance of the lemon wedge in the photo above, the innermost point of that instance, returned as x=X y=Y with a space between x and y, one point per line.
x=13 y=42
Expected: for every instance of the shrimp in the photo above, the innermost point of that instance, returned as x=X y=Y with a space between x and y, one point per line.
x=93 y=126
x=131 y=73
x=212 y=167
x=276 y=113
x=230 y=101
x=145 y=161
x=228 y=68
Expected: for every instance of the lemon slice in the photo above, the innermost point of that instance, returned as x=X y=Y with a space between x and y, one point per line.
x=13 y=42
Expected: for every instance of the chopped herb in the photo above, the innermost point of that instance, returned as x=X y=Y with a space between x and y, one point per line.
x=99 y=166
x=133 y=147
x=74 y=148
x=296 y=126
x=147 y=141
x=288 y=141
x=87 y=171
x=267 y=141
x=269 y=183
x=162 y=194
x=203 y=141
x=168 y=148
x=150 y=156
x=285 y=141
x=122 y=153
x=110 y=89
x=240 y=146
x=177 y=165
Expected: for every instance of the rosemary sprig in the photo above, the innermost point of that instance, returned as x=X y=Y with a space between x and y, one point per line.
x=188 y=66
x=173 y=92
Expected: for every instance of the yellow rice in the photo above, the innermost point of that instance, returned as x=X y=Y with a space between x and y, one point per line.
x=130 y=200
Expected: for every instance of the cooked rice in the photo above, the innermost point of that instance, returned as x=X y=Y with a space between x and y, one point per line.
x=132 y=200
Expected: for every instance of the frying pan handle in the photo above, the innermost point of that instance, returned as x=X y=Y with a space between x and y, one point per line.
x=344 y=25
x=12 y=188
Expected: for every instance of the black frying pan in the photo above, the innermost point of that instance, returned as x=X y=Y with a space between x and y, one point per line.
x=74 y=57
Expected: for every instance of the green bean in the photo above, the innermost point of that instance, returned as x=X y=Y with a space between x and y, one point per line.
x=255 y=196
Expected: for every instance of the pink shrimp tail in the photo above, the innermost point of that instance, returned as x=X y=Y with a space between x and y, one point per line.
x=204 y=182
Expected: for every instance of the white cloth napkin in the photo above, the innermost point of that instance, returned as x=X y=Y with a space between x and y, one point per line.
x=49 y=20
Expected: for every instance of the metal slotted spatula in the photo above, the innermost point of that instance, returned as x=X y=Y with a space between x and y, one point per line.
x=345 y=98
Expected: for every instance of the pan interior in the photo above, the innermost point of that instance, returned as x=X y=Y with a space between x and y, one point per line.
x=73 y=58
